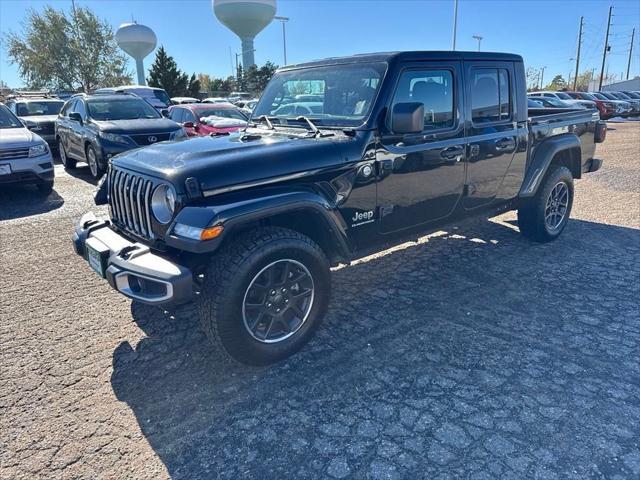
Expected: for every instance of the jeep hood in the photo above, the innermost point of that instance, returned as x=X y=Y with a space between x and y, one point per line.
x=218 y=162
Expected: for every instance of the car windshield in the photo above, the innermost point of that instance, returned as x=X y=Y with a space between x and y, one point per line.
x=26 y=109
x=555 y=102
x=120 y=109
x=587 y=96
x=342 y=94
x=8 y=119
x=563 y=96
x=599 y=96
x=219 y=112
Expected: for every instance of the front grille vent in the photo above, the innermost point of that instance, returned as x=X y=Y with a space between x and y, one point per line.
x=130 y=202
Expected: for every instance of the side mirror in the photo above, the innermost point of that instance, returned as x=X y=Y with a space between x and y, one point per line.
x=407 y=117
x=76 y=117
x=164 y=112
x=188 y=125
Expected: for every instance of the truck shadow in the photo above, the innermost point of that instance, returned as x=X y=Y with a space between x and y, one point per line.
x=19 y=201
x=475 y=318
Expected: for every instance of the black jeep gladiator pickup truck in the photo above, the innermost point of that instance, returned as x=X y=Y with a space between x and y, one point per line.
x=342 y=157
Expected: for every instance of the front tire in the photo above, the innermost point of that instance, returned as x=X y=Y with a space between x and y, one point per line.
x=544 y=217
x=45 y=187
x=264 y=296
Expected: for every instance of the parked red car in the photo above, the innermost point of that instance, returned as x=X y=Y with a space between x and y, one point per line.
x=199 y=119
x=606 y=109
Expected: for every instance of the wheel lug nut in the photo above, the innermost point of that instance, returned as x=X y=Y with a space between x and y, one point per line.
x=268 y=305
x=286 y=300
x=273 y=292
x=277 y=309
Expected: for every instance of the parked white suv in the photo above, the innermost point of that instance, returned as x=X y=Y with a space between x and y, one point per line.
x=565 y=97
x=24 y=156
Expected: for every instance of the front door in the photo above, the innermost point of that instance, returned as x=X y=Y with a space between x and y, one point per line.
x=422 y=175
x=492 y=133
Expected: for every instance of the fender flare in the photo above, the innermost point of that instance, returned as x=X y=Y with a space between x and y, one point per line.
x=235 y=214
x=542 y=159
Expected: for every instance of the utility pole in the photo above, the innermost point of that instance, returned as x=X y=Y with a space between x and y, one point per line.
x=542 y=76
x=479 y=39
x=606 y=47
x=633 y=33
x=455 y=23
x=575 y=80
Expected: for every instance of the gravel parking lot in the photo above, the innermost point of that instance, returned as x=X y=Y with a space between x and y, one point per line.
x=471 y=353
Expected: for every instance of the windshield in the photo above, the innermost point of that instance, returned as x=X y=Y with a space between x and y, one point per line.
x=599 y=96
x=120 y=109
x=563 y=96
x=342 y=94
x=609 y=96
x=8 y=119
x=587 y=96
x=27 y=109
x=219 y=112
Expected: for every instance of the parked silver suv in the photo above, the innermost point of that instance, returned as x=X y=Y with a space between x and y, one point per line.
x=24 y=156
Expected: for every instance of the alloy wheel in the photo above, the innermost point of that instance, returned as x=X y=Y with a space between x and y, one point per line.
x=556 y=206
x=92 y=161
x=278 y=301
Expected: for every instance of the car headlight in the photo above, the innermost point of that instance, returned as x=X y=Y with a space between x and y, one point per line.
x=115 y=138
x=163 y=203
x=38 y=150
x=180 y=133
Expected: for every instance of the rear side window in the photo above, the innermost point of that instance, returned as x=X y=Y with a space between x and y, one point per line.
x=432 y=88
x=176 y=115
x=490 y=95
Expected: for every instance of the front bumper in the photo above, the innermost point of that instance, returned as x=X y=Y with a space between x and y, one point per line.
x=29 y=169
x=131 y=268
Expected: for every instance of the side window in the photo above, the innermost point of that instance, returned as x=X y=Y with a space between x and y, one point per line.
x=189 y=116
x=68 y=107
x=176 y=115
x=79 y=108
x=432 y=88
x=490 y=95
x=12 y=106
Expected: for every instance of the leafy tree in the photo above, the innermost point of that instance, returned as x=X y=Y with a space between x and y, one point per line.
x=164 y=73
x=241 y=83
x=67 y=52
x=557 y=83
x=193 y=89
x=205 y=81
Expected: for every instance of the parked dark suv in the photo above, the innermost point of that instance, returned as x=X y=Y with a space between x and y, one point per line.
x=38 y=112
x=94 y=128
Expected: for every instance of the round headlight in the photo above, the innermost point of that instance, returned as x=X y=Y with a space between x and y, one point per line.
x=163 y=203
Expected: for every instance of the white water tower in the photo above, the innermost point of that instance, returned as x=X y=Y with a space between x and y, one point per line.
x=138 y=41
x=245 y=18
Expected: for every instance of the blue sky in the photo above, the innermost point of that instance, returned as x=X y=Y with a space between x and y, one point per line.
x=544 y=32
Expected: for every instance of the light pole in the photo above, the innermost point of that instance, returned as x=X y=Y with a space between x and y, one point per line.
x=479 y=39
x=455 y=23
x=283 y=20
x=239 y=55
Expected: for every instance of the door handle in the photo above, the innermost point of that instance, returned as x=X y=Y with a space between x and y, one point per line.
x=505 y=143
x=453 y=152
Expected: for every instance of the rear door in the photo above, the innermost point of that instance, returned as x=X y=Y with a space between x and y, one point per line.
x=422 y=175
x=492 y=132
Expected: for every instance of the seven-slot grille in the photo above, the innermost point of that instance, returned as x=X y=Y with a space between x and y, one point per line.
x=12 y=153
x=130 y=201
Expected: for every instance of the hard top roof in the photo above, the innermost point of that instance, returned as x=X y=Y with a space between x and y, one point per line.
x=410 y=56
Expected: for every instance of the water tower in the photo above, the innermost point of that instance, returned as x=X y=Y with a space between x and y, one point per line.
x=138 y=41
x=245 y=18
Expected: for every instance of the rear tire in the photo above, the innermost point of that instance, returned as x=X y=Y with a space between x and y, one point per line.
x=544 y=217
x=264 y=295
x=69 y=163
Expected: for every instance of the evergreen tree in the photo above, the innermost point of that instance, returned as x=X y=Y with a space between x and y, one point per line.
x=164 y=73
x=193 y=89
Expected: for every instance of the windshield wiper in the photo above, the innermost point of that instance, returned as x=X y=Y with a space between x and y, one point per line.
x=312 y=126
x=265 y=119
